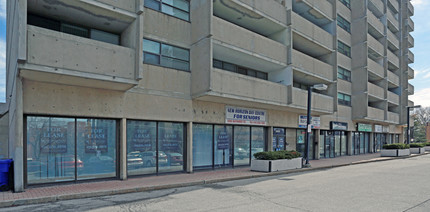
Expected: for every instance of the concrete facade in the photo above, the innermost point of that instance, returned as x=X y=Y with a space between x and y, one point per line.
x=51 y=73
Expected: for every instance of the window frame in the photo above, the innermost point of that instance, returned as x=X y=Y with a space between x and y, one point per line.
x=347 y=3
x=160 y=55
x=341 y=71
x=342 y=100
x=343 y=48
x=343 y=23
x=161 y=3
x=245 y=69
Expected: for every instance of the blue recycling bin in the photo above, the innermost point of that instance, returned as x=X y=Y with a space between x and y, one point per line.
x=4 y=171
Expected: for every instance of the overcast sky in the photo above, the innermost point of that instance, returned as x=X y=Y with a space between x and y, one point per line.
x=421 y=51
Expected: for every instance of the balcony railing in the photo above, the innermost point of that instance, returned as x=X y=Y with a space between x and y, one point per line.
x=320 y=103
x=392 y=58
x=51 y=52
x=411 y=41
x=375 y=113
x=393 y=117
x=411 y=73
x=393 y=39
x=411 y=89
x=311 y=65
x=375 y=68
x=322 y=5
x=393 y=78
x=375 y=22
x=411 y=57
x=375 y=91
x=393 y=98
x=375 y=45
x=247 y=41
x=312 y=31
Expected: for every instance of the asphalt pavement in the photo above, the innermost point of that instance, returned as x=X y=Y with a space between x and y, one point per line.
x=393 y=185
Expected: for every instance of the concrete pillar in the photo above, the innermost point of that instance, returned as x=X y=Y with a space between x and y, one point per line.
x=350 y=141
x=372 y=142
x=123 y=149
x=17 y=124
x=269 y=138
x=189 y=161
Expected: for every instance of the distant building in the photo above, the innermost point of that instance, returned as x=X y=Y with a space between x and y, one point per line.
x=111 y=89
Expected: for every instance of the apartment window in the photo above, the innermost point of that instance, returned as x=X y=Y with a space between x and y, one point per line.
x=239 y=69
x=72 y=29
x=157 y=53
x=344 y=49
x=177 y=8
x=343 y=74
x=343 y=23
x=344 y=99
x=346 y=3
x=300 y=86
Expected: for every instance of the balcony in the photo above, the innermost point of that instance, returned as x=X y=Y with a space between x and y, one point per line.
x=311 y=31
x=411 y=41
x=410 y=8
x=410 y=103
x=410 y=89
x=319 y=12
x=67 y=59
x=128 y=5
x=395 y=4
x=307 y=65
x=411 y=73
x=244 y=45
x=377 y=7
x=393 y=98
x=320 y=103
x=375 y=45
x=393 y=40
x=410 y=24
x=375 y=23
x=393 y=20
x=375 y=91
x=393 y=117
x=375 y=68
x=232 y=88
x=411 y=57
x=393 y=78
x=375 y=114
x=264 y=17
x=393 y=59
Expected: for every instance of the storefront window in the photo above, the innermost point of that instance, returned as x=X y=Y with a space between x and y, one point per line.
x=337 y=143
x=223 y=145
x=257 y=140
x=96 y=147
x=241 y=145
x=202 y=145
x=59 y=151
x=344 y=143
x=50 y=150
x=170 y=146
x=141 y=147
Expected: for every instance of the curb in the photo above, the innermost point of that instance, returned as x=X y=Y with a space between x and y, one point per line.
x=20 y=202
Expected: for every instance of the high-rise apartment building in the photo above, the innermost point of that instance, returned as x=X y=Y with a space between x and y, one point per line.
x=110 y=89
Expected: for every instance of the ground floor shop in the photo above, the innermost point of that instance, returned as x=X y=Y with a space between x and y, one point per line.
x=64 y=149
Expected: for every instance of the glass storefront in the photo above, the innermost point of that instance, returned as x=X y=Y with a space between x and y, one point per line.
x=360 y=143
x=300 y=145
x=379 y=140
x=332 y=144
x=216 y=146
x=154 y=147
x=67 y=149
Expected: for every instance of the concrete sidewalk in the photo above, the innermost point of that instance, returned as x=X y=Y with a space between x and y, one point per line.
x=53 y=193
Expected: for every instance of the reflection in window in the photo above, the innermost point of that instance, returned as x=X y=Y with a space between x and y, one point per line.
x=177 y=8
x=165 y=55
x=241 y=145
x=96 y=147
x=141 y=147
x=170 y=146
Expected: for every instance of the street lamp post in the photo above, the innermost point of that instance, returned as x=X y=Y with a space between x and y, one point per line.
x=408 y=133
x=320 y=87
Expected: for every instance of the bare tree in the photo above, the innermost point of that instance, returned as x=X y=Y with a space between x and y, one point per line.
x=422 y=115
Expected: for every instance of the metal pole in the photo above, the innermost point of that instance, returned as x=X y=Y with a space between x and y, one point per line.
x=408 y=128
x=308 y=127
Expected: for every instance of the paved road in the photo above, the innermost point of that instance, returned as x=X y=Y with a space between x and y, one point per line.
x=396 y=185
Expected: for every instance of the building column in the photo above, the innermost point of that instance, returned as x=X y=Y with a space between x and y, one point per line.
x=350 y=141
x=269 y=138
x=16 y=123
x=123 y=150
x=372 y=142
x=189 y=159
